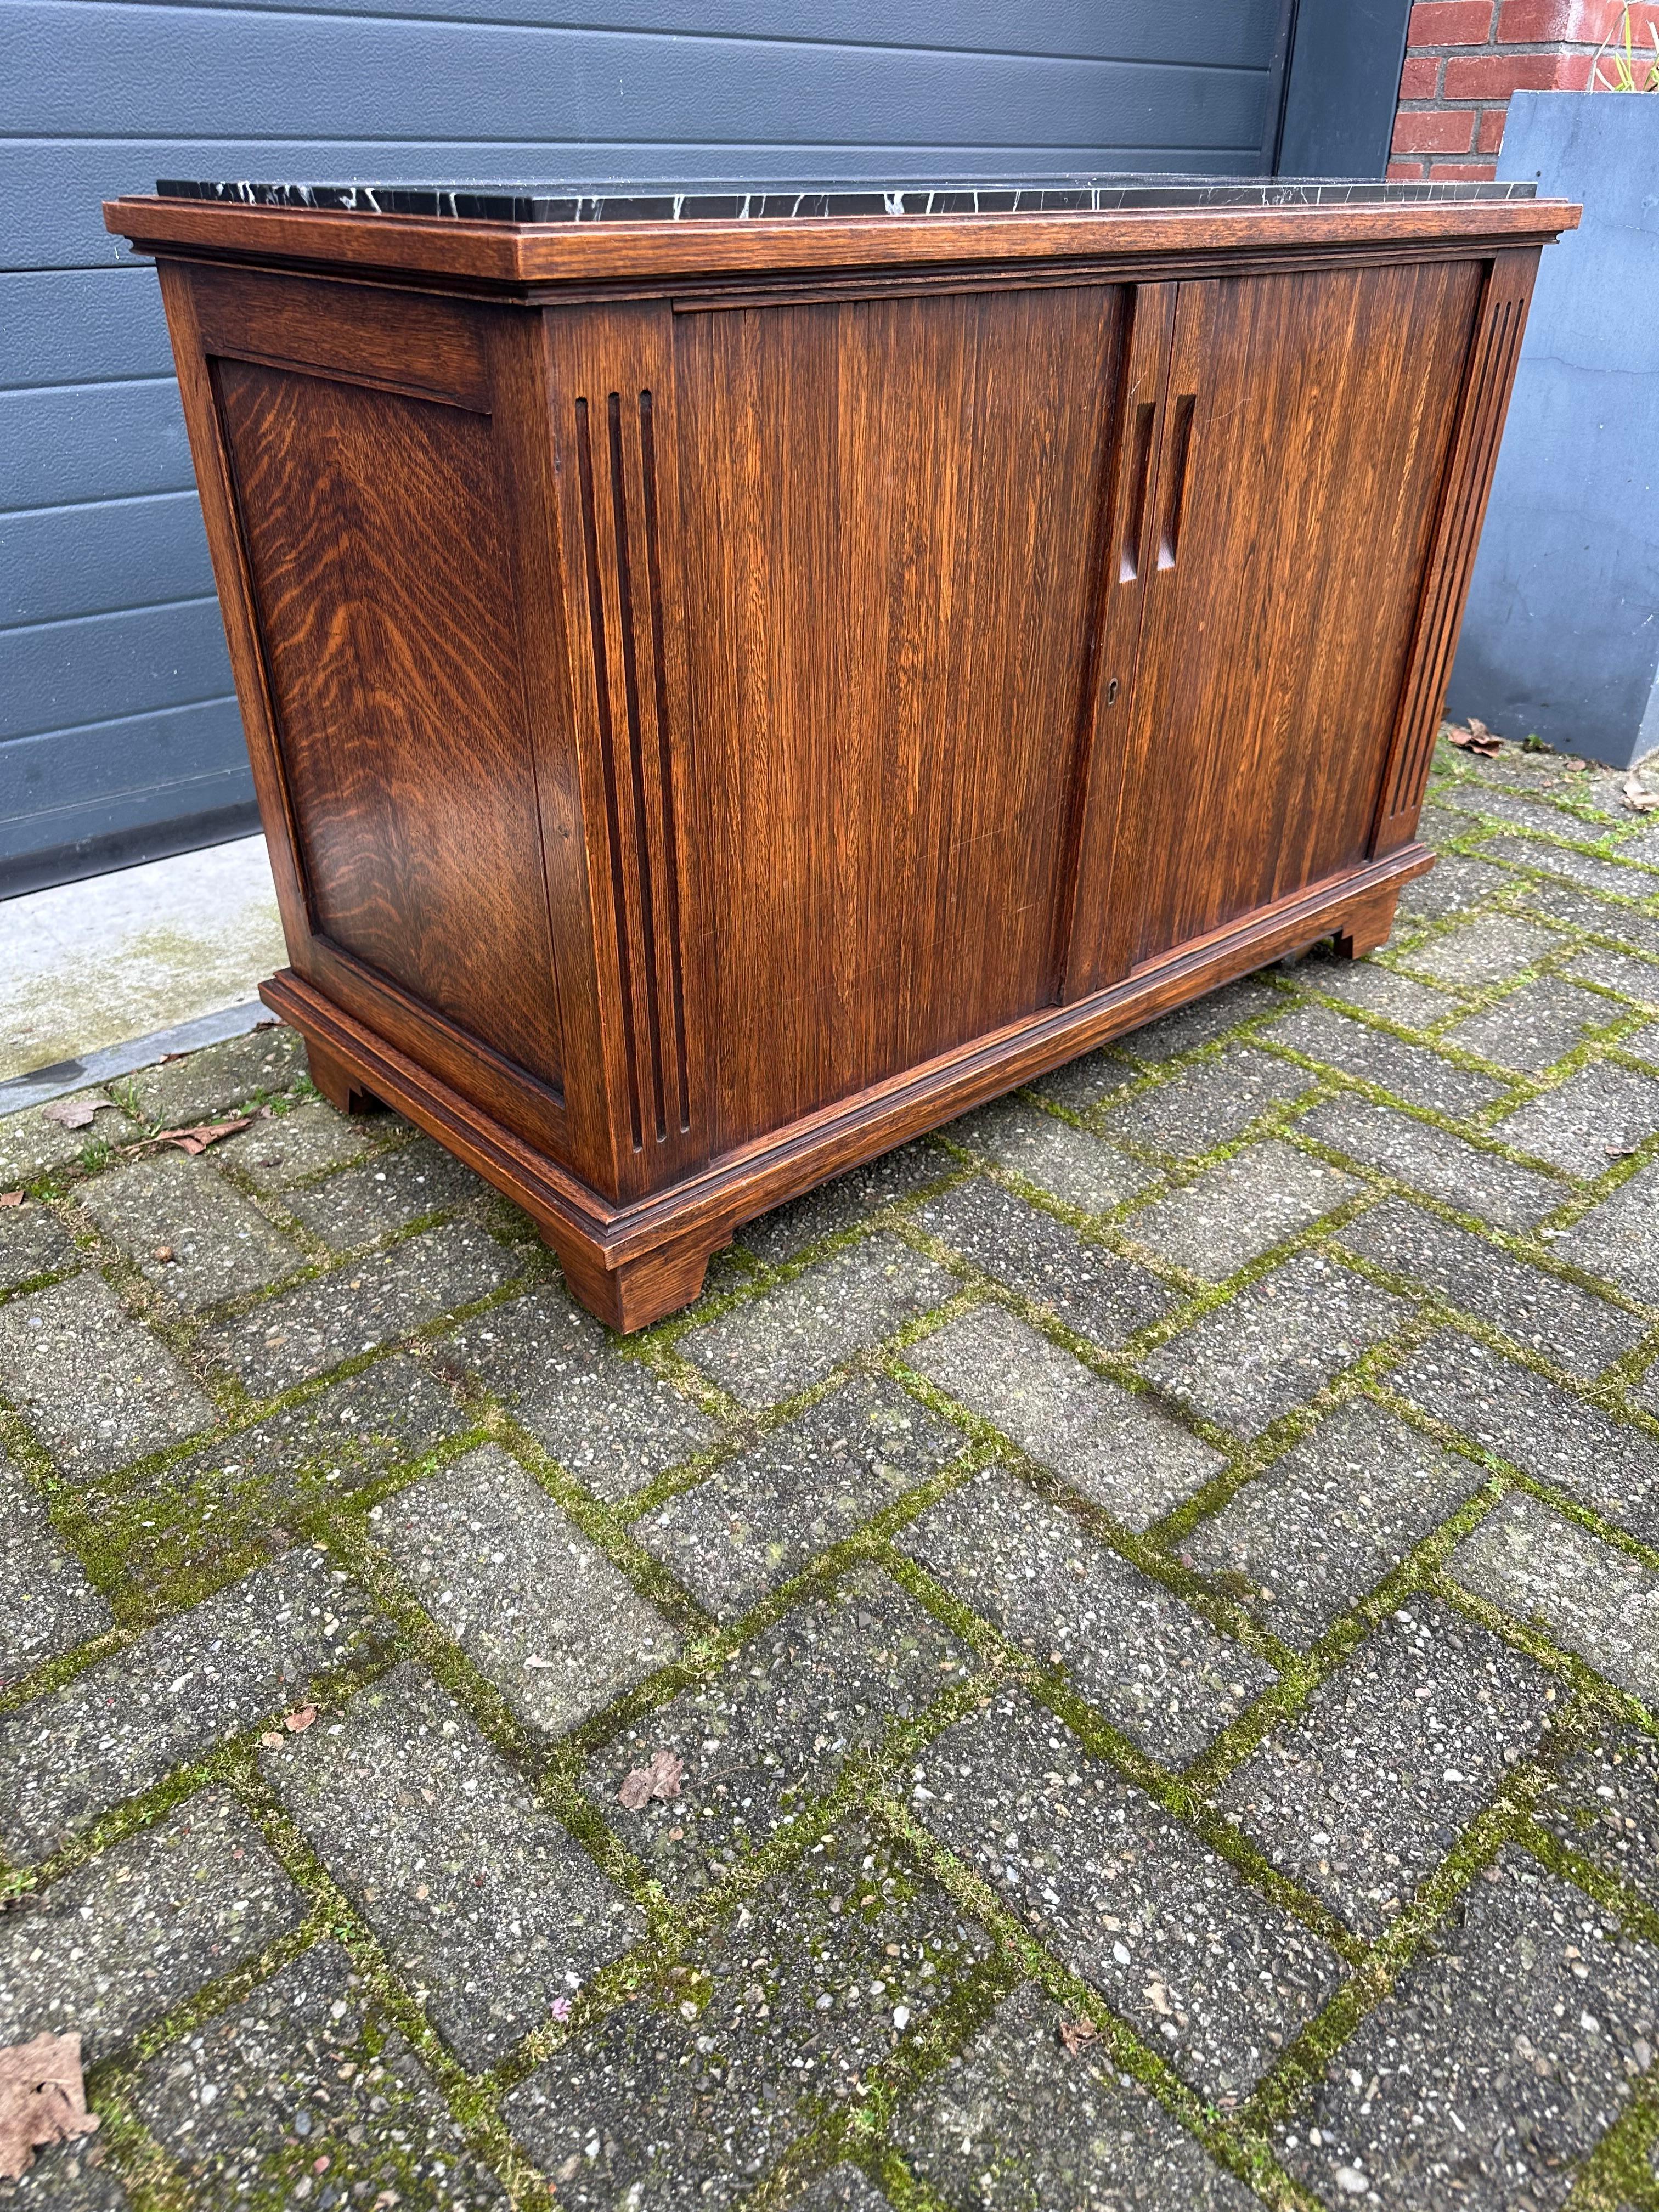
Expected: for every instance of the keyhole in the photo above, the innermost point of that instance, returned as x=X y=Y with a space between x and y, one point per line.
x=1111 y=693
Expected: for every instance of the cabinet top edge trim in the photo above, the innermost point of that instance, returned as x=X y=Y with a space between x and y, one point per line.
x=783 y=288
x=530 y=253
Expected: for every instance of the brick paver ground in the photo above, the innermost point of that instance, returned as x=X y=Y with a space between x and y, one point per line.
x=1153 y=1594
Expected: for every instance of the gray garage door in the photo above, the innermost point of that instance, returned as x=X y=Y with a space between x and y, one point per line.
x=118 y=732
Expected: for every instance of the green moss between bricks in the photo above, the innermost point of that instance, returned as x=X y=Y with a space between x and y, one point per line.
x=148 y=1571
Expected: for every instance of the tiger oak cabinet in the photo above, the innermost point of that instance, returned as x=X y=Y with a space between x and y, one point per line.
x=732 y=686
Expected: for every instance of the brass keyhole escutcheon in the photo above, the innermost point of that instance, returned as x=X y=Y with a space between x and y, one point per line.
x=1111 y=693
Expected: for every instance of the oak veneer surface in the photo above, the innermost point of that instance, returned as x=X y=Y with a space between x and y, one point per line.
x=1304 y=438
x=894 y=504
x=707 y=733
x=372 y=532
x=612 y=436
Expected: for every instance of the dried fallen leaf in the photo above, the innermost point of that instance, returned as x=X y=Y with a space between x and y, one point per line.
x=11 y=1198
x=1472 y=737
x=197 y=1137
x=1159 y=1995
x=1074 y=2034
x=162 y=1251
x=42 y=2099
x=533 y=1659
x=271 y=1739
x=1639 y=798
x=300 y=1718
x=661 y=1778
x=74 y=1113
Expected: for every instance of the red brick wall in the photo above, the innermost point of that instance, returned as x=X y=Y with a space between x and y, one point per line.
x=1464 y=58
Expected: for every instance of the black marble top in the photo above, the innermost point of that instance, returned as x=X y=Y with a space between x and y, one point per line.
x=723 y=200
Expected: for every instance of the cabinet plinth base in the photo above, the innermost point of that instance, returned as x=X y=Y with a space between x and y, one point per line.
x=337 y=1084
x=1369 y=925
x=639 y=1291
x=632 y=1262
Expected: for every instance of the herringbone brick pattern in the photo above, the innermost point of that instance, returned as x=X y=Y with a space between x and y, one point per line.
x=1153 y=1595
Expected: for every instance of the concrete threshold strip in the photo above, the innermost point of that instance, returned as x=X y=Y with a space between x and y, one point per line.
x=114 y=1061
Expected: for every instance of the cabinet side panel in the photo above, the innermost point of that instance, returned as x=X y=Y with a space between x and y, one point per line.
x=1493 y=359
x=891 y=511
x=386 y=605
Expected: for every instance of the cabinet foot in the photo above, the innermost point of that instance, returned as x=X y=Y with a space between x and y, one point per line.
x=1366 y=927
x=343 y=1090
x=638 y=1291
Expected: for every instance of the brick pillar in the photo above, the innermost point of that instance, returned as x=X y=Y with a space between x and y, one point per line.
x=1464 y=58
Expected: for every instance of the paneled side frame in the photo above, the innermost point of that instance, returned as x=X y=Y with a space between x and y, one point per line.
x=485 y=365
x=1494 y=354
x=212 y=466
x=611 y=404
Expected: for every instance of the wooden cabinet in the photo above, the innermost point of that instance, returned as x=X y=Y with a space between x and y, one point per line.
x=727 y=694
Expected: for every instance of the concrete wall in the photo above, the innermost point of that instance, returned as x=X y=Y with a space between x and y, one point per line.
x=1561 y=639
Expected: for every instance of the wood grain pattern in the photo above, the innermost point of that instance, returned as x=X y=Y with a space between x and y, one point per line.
x=703 y=743
x=1493 y=358
x=211 y=462
x=703 y=1210
x=890 y=511
x=426 y=348
x=1303 y=438
x=390 y=645
x=1124 y=557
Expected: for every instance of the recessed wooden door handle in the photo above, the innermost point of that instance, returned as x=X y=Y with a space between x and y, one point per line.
x=1180 y=442
x=1134 y=507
